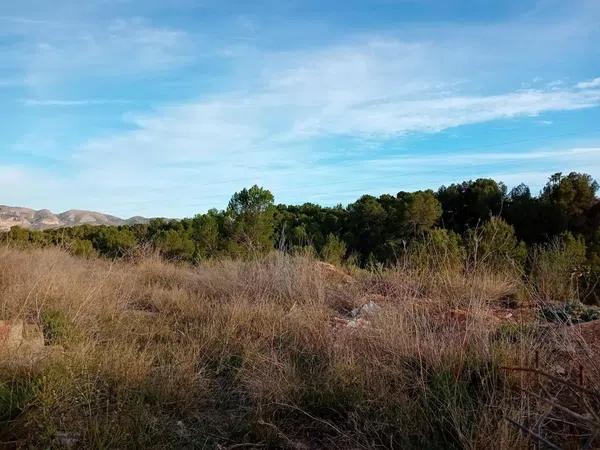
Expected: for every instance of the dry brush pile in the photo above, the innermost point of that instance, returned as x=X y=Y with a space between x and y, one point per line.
x=285 y=352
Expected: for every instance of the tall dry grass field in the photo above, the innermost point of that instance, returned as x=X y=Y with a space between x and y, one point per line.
x=267 y=354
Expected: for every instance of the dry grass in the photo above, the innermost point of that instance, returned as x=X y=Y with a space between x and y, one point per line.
x=227 y=353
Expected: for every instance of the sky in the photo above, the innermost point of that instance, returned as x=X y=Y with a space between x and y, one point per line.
x=168 y=107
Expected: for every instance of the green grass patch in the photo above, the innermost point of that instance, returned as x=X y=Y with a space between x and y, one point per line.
x=57 y=327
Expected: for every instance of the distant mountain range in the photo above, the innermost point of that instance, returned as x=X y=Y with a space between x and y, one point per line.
x=44 y=219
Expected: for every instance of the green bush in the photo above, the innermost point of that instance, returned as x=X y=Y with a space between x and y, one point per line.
x=454 y=399
x=495 y=245
x=83 y=248
x=112 y=241
x=570 y=313
x=15 y=396
x=555 y=268
x=334 y=250
x=250 y=222
x=175 y=245
x=437 y=248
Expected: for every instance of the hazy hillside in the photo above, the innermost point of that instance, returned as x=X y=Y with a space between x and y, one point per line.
x=43 y=219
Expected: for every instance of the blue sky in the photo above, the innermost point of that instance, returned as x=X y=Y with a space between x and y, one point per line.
x=159 y=107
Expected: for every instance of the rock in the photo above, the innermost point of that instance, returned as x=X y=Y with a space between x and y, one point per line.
x=68 y=440
x=367 y=309
x=298 y=445
x=559 y=370
x=358 y=323
x=340 y=322
x=181 y=430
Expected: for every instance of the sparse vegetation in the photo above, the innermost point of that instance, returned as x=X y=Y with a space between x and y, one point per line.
x=227 y=330
x=478 y=217
x=264 y=352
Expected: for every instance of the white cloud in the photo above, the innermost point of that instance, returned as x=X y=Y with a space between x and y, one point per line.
x=120 y=48
x=271 y=135
x=378 y=90
x=595 y=83
x=187 y=189
x=489 y=158
x=270 y=128
x=396 y=117
x=209 y=150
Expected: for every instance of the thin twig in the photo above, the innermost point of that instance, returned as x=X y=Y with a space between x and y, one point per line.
x=533 y=434
x=245 y=444
x=319 y=420
x=564 y=409
x=552 y=377
x=590 y=441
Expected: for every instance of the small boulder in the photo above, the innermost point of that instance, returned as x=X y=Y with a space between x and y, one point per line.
x=368 y=309
x=68 y=440
x=358 y=323
x=341 y=323
x=559 y=370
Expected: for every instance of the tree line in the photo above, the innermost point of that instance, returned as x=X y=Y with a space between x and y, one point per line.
x=479 y=218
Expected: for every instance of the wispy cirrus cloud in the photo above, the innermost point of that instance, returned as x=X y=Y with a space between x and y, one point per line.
x=322 y=118
x=392 y=163
x=365 y=91
x=375 y=91
x=51 y=52
x=152 y=191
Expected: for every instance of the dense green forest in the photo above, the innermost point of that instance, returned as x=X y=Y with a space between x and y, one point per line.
x=464 y=222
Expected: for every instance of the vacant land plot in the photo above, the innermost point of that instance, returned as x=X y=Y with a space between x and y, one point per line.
x=286 y=352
